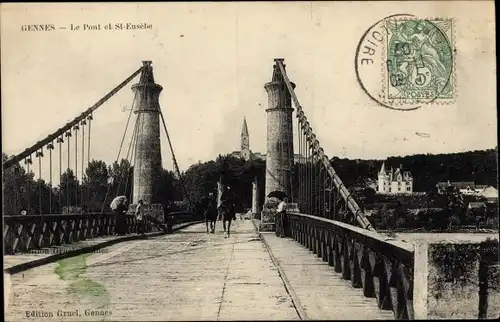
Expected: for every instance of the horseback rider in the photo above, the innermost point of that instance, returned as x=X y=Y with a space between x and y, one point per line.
x=228 y=201
x=210 y=211
x=211 y=204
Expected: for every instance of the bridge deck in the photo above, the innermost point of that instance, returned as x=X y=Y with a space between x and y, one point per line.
x=189 y=275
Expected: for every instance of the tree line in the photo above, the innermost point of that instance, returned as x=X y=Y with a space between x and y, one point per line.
x=201 y=179
x=427 y=169
x=101 y=183
x=22 y=190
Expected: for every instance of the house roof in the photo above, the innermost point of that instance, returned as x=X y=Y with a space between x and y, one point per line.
x=490 y=192
x=382 y=169
x=477 y=204
x=458 y=184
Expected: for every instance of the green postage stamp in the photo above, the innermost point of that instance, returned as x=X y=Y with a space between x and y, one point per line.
x=420 y=61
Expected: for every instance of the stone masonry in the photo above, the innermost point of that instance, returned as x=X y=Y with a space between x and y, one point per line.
x=279 y=158
x=147 y=149
x=255 y=197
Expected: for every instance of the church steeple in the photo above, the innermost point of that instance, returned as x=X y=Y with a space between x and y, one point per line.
x=245 y=137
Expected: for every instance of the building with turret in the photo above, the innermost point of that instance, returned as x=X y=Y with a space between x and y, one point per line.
x=394 y=181
x=247 y=154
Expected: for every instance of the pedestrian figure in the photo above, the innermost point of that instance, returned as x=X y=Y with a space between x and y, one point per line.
x=139 y=215
x=283 y=217
x=120 y=206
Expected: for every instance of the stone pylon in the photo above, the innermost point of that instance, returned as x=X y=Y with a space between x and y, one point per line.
x=279 y=156
x=219 y=192
x=255 y=197
x=147 y=163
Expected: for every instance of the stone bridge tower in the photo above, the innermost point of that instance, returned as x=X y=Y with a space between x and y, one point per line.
x=147 y=164
x=279 y=156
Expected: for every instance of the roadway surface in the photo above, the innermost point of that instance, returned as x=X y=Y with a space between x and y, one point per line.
x=189 y=275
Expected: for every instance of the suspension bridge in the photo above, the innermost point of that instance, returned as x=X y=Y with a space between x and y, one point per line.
x=65 y=262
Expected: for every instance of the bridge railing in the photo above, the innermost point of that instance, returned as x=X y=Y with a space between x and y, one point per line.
x=32 y=232
x=458 y=279
x=382 y=269
x=25 y=233
x=179 y=217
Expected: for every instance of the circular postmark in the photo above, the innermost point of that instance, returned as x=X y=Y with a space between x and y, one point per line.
x=404 y=62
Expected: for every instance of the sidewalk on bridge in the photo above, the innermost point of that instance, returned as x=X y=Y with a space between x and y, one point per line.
x=317 y=291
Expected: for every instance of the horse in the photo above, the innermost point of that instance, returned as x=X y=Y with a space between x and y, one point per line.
x=227 y=214
x=210 y=216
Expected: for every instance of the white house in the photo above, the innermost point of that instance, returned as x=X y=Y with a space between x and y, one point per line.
x=394 y=181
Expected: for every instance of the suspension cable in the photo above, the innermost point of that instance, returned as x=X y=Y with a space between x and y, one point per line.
x=320 y=191
x=119 y=153
x=305 y=172
x=60 y=140
x=183 y=187
x=132 y=160
x=129 y=147
x=126 y=126
x=323 y=204
x=89 y=188
x=50 y=146
x=299 y=168
x=28 y=162
x=304 y=175
x=83 y=123
x=309 y=169
x=7 y=164
x=68 y=135
x=132 y=164
x=303 y=164
x=39 y=155
x=346 y=195
x=291 y=160
x=76 y=128
x=132 y=154
x=313 y=183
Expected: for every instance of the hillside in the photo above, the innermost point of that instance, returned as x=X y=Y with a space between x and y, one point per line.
x=427 y=169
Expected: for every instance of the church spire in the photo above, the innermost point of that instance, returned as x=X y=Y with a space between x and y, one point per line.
x=245 y=137
x=244 y=128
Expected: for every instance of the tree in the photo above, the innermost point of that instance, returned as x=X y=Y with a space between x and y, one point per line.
x=22 y=192
x=95 y=185
x=12 y=181
x=120 y=174
x=70 y=196
x=201 y=179
x=166 y=188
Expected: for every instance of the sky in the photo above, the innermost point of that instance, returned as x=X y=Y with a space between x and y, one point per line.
x=213 y=60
